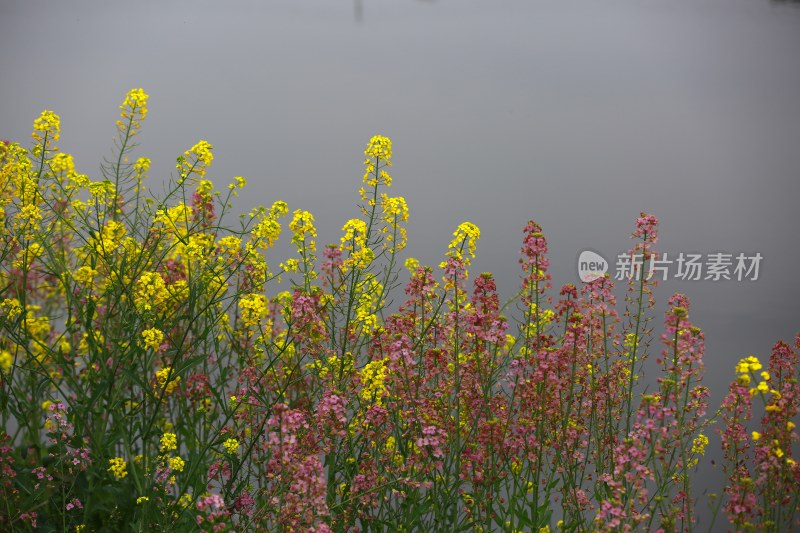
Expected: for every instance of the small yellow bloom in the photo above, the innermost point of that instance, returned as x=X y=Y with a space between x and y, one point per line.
x=231 y=446
x=756 y=435
x=169 y=442
x=253 y=308
x=167 y=379
x=6 y=361
x=142 y=499
x=177 y=464
x=48 y=124
x=118 y=467
x=153 y=338
x=699 y=444
x=465 y=236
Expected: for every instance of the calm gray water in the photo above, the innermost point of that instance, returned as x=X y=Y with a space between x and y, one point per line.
x=576 y=114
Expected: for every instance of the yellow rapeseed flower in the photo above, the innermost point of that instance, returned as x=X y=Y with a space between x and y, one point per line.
x=153 y=338
x=118 y=467
x=465 y=236
x=196 y=160
x=164 y=381
x=150 y=291
x=699 y=444
x=6 y=361
x=47 y=125
x=373 y=378
x=177 y=464
x=253 y=308
x=231 y=446
x=169 y=442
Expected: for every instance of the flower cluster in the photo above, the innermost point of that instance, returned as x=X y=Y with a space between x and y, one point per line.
x=155 y=372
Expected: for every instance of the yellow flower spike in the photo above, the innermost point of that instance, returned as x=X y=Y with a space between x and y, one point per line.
x=47 y=125
x=253 y=308
x=164 y=380
x=177 y=464
x=231 y=446
x=465 y=236
x=354 y=241
x=135 y=103
x=169 y=442
x=373 y=377
x=379 y=147
x=118 y=467
x=153 y=338
x=411 y=265
x=699 y=444
x=142 y=165
x=6 y=361
x=196 y=160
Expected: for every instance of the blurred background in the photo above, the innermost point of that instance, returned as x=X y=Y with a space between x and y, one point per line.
x=577 y=114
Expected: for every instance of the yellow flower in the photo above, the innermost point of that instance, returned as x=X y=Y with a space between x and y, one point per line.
x=229 y=245
x=164 y=381
x=411 y=265
x=379 y=147
x=395 y=210
x=302 y=226
x=238 y=183
x=153 y=338
x=291 y=265
x=85 y=276
x=466 y=235
x=756 y=435
x=254 y=309
x=185 y=500
x=11 y=307
x=169 y=442
x=150 y=291
x=699 y=444
x=142 y=499
x=373 y=378
x=354 y=241
x=118 y=467
x=47 y=125
x=62 y=163
x=135 y=106
x=748 y=364
x=231 y=446
x=177 y=464
x=142 y=165
x=196 y=160
x=6 y=361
